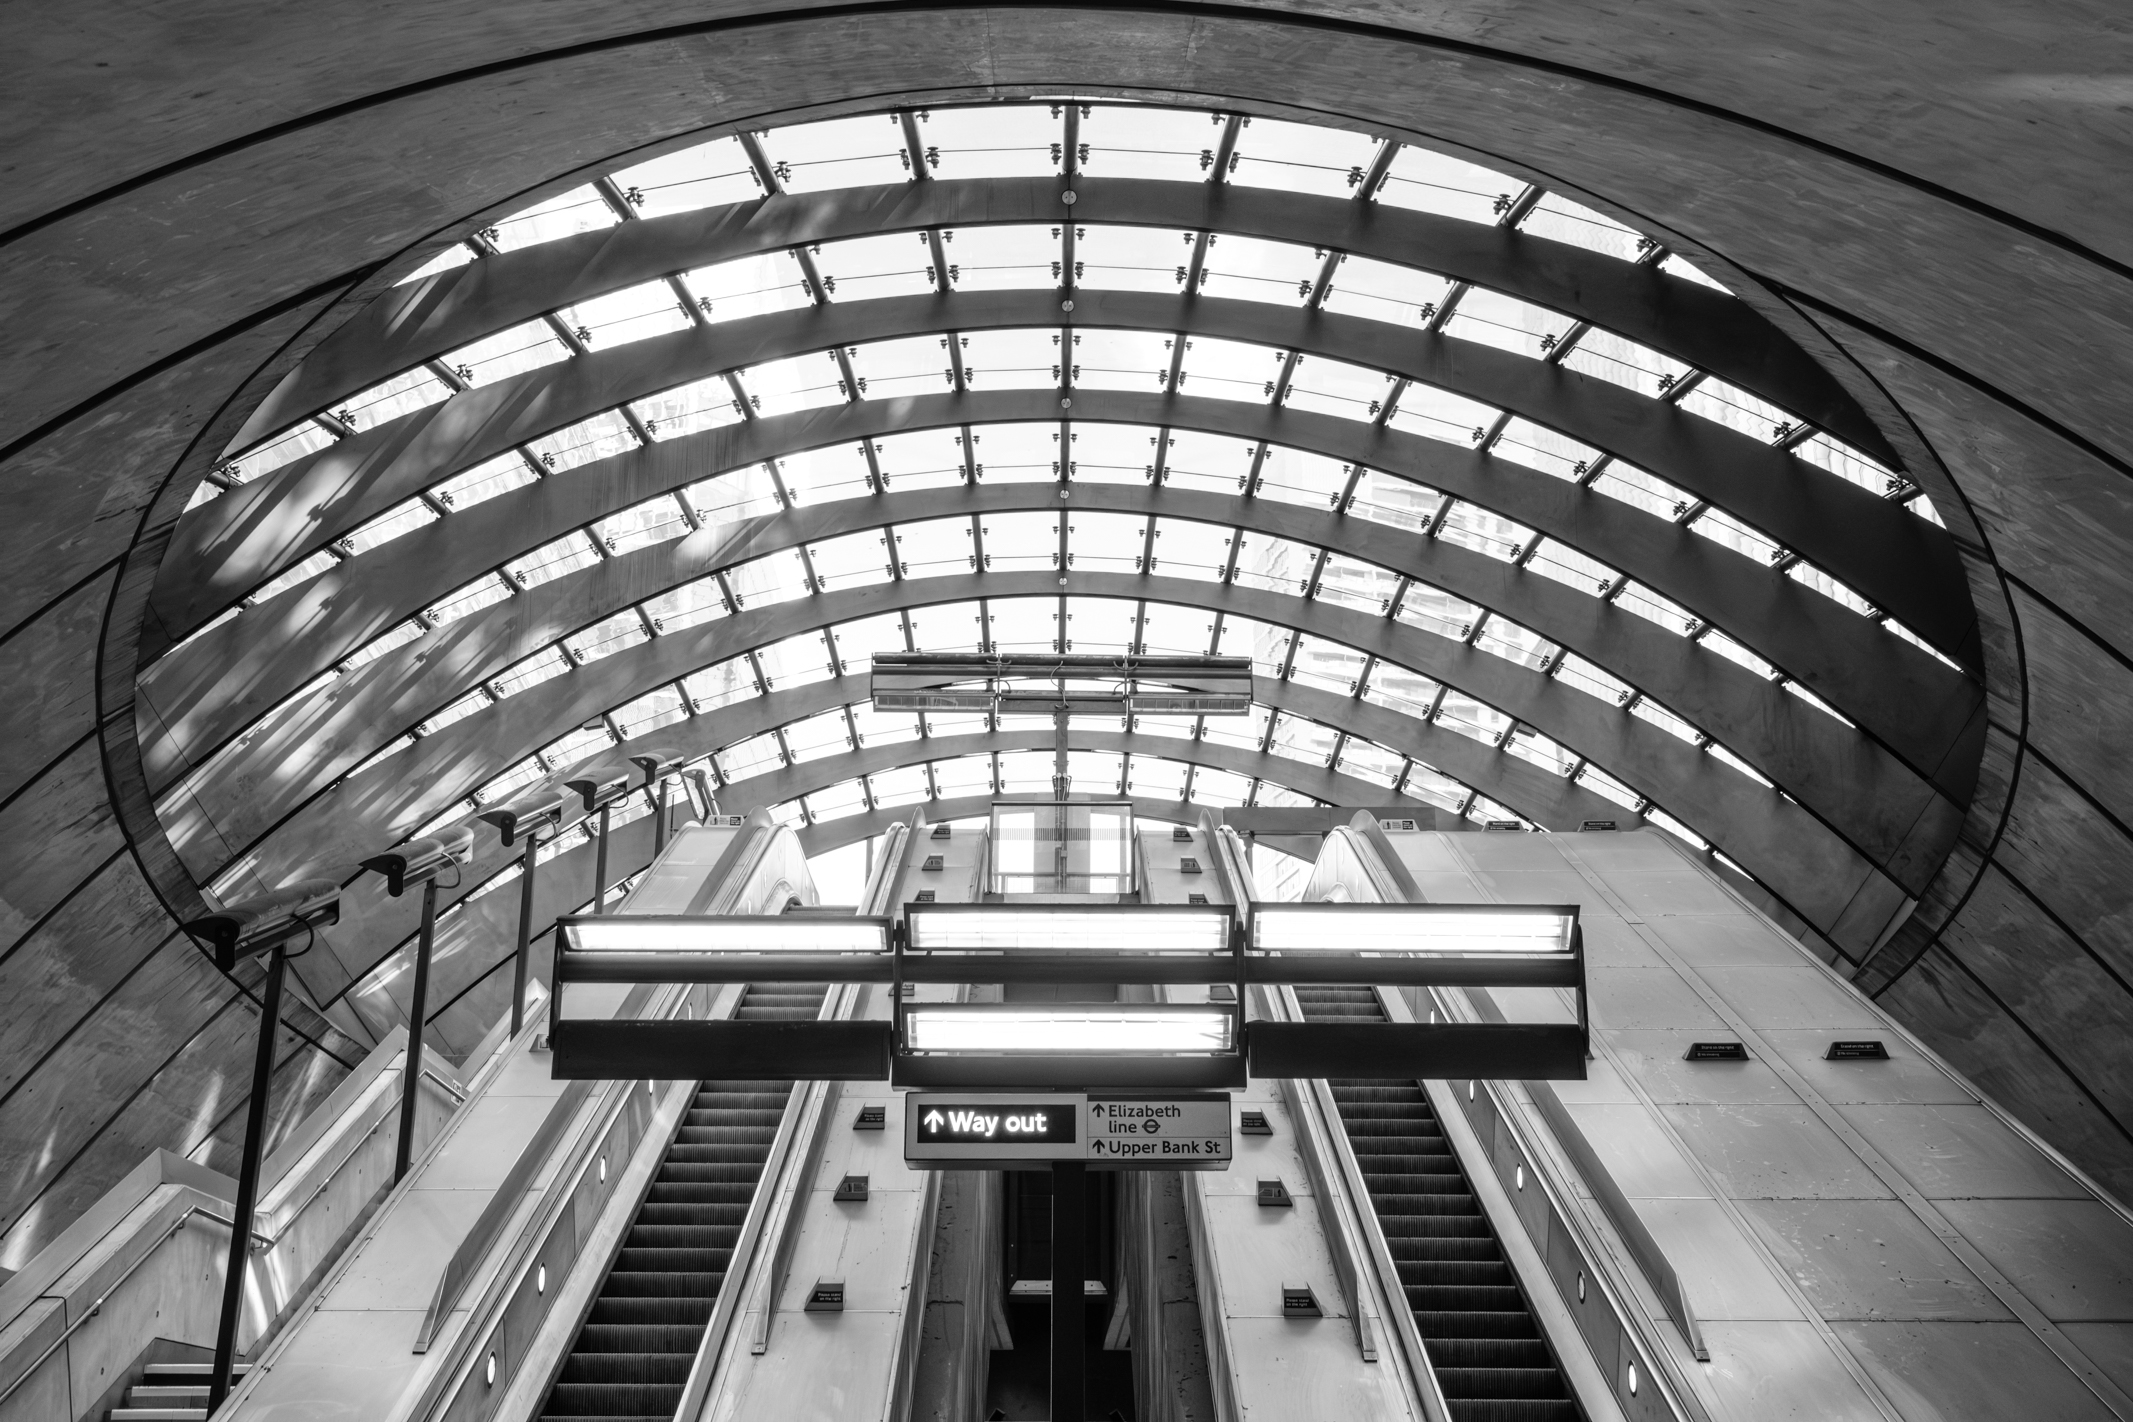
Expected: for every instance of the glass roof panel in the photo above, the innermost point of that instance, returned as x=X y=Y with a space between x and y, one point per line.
x=1025 y=772
x=1304 y=158
x=884 y=728
x=1398 y=689
x=700 y=405
x=1293 y=476
x=1514 y=643
x=768 y=580
x=1334 y=387
x=1575 y=671
x=921 y=459
x=820 y=476
x=1190 y=550
x=721 y=684
x=1280 y=797
x=802 y=382
x=1101 y=626
x=836 y=802
x=1506 y=322
x=1176 y=728
x=1012 y=360
x=1112 y=454
x=1393 y=501
x=839 y=153
x=1429 y=784
x=1246 y=732
x=855 y=560
x=869 y=268
x=459 y=710
x=1734 y=652
x=1017 y=454
x=1170 y=630
x=653 y=521
x=992 y=141
x=1567 y=565
x=285 y=448
x=301 y=572
x=1435 y=610
x=1662 y=612
x=749 y=286
x=1373 y=763
x=963 y=775
x=1105 y=542
x=553 y=560
x=1716 y=525
x=1328 y=666
x=604 y=435
x=1561 y=220
x=1440 y=183
x=1472 y=719
x=484 y=481
x=483 y=592
x=939 y=723
x=723 y=499
x=1121 y=360
x=1131 y=258
x=1151 y=778
x=1676 y=265
x=1020 y=542
x=1645 y=491
x=1251 y=269
x=859 y=640
x=799 y=660
x=606 y=637
x=1645 y=709
x=1274 y=564
x=1736 y=409
x=935 y=548
x=750 y=757
x=916 y=365
x=389 y=640
x=579 y=210
x=524 y=347
x=707 y=175
x=632 y=314
x=1622 y=361
x=1298 y=739
x=1829 y=587
x=450 y=259
x=947 y=627
x=1848 y=464
x=689 y=605
x=1266 y=645
x=1095 y=772
x=1350 y=582
x=1002 y=258
x=1135 y=142
x=1439 y=414
x=401 y=518
x=1471 y=526
x=1229 y=370
x=814 y=737
x=1217 y=464
x=1381 y=291
x=1537 y=447
x=405 y=393
x=905 y=785
x=1219 y=789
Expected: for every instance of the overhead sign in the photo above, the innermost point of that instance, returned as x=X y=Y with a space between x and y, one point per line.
x=1110 y=1130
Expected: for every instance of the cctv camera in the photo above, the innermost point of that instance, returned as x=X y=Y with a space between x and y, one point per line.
x=657 y=765
x=419 y=860
x=528 y=816
x=255 y=925
x=597 y=793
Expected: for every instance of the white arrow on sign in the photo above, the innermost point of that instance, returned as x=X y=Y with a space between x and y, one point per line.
x=933 y=1120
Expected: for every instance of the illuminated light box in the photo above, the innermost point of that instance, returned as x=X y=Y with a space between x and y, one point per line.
x=1411 y=928
x=1069 y=1029
x=1053 y=928
x=647 y=933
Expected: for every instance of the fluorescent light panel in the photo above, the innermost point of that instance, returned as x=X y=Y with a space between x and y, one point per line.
x=622 y=933
x=1045 y=928
x=1408 y=928
x=1094 y=1029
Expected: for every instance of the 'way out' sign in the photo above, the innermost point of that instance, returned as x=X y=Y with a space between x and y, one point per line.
x=1110 y=1130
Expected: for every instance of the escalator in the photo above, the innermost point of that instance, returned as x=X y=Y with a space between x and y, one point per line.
x=1491 y=1360
x=631 y=1358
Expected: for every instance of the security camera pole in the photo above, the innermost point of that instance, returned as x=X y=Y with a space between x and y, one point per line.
x=419 y=860
x=600 y=795
x=659 y=768
x=261 y=925
x=527 y=817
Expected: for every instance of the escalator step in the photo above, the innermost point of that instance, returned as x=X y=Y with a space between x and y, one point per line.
x=1491 y=1361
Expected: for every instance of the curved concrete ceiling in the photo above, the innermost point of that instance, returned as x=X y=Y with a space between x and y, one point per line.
x=202 y=234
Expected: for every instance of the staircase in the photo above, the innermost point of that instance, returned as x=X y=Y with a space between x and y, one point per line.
x=169 y=1392
x=632 y=1357
x=1488 y=1353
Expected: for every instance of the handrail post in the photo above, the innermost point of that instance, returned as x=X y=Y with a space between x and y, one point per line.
x=255 y=1131
x=411 y=1073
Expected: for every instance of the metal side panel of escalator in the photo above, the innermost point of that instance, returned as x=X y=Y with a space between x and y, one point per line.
x=632 y=1355
x=1492 y=1360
